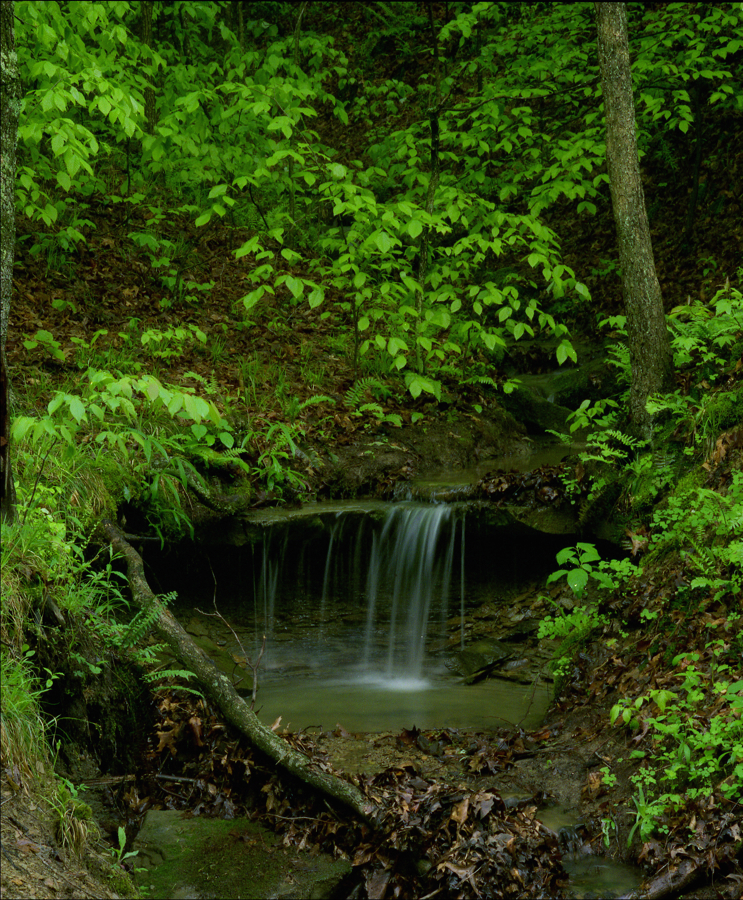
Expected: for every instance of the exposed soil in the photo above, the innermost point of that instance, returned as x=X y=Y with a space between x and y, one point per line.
x=36 y=865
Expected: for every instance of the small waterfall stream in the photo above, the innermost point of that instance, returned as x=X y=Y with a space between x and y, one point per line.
x=363 y=606
x=400 y=574
x=366 y=606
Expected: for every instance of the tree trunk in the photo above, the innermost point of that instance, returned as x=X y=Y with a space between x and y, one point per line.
x=9 y=111
x=649 y=344
x=218 y=688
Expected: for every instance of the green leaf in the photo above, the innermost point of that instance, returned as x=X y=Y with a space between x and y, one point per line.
x=249 y=300
x=396 y=345
x=567 y=554
x=383 y=241
x=417 y=383
x=566 y=351
x=556 y=576
x=577 y=579
x=77 y=409
x=152 y=389
x=295 y=285
x=589 y=553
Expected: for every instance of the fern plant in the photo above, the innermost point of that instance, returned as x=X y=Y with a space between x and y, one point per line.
x=182 y=674
x=382 y=416
x=356 y=395
x=294 y=407
x=145 y=618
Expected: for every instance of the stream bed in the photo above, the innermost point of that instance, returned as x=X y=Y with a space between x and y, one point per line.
x=371 y=614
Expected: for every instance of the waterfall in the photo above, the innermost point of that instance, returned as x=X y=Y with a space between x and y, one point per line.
x=397 y=572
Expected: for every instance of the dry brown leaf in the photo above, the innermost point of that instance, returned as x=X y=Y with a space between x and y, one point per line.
x=459 y=813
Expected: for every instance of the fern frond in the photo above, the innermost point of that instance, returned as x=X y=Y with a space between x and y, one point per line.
x=316 y=398
x=168 y=673
x=663 y=459
x=356 y=394
x=145 y=618
x=372 y=408
x=480 y=379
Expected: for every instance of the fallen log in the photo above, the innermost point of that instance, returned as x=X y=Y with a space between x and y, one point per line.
x=671 y=883
x=218 y=688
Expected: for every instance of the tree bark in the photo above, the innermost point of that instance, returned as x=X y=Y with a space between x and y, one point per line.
x=649 y=344
x=672 y=883
x=9 y=111
x=218 y=688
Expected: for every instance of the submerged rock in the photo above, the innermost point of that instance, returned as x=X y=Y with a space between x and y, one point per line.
x=479 y=660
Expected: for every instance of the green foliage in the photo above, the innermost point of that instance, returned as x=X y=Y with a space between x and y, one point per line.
x=46 y=341
x=594 y=415
x=296 y=406
x=582 y=557
x=356 y=400
x=74 y=818
x=356 y=395
x=707 y=527
x=23 y=731
x=118 y=852
x=574 y=626
x=154 y=430
x=437 y=247
x=143 y=621
x=691 y=759
x=169 y=343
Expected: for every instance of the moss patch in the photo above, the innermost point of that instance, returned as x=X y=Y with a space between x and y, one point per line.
x=199 y=857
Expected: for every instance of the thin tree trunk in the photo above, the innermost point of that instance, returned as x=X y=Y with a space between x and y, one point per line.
x=649 y=344
x=218 y=688
x=9 y=112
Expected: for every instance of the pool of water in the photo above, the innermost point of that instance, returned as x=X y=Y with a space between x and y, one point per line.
x=372 y=703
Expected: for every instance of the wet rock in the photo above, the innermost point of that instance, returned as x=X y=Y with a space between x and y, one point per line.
x=228 y=663
x=522 y=632
x=479 y=660
x=572 y=840
x=535 y=411
x=197 y=627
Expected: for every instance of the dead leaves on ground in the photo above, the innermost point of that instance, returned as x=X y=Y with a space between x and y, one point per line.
x=540 y=486
x=429 y=836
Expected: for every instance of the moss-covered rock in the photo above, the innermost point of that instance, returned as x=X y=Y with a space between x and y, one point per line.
x=184 y=856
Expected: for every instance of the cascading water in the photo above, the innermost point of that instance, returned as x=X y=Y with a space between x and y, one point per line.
x=364 y=607
x=408 y=564
x=400 y=574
